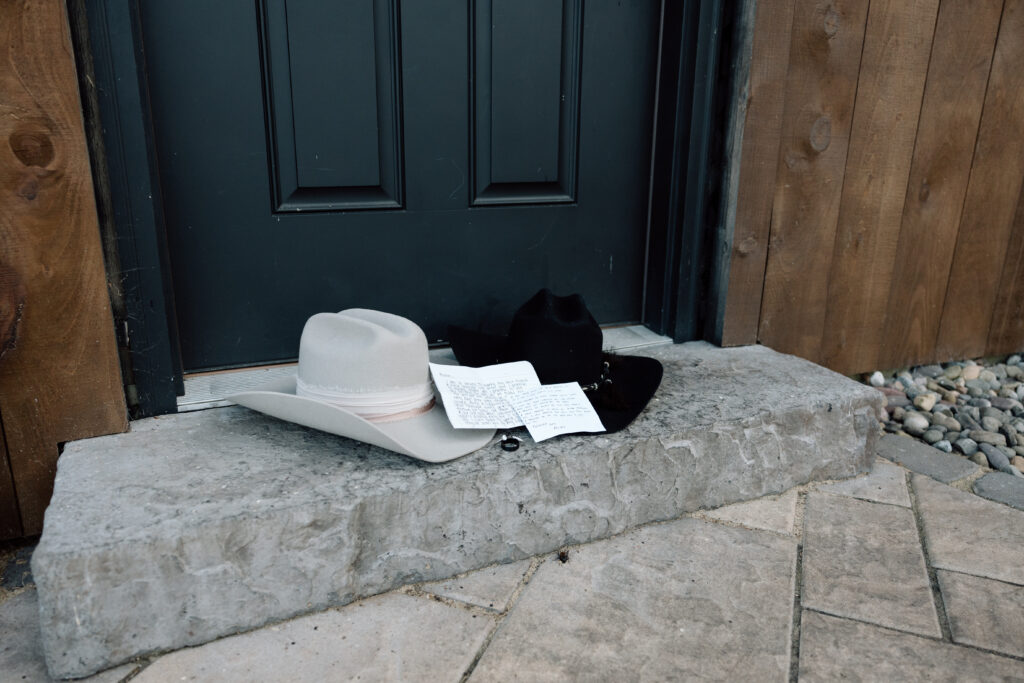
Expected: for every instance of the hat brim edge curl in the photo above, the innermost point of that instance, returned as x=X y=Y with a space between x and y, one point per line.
x=428 y=437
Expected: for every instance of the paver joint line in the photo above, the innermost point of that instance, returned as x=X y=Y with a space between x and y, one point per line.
x=798 y=531
x=944 y=641
x=831 y=494
x=856 y=620
x=845 y=648
x=794 y=638
x=702 y=516
x=933 y=581
x=524 y=582
x=985 y=613
x=415 y=592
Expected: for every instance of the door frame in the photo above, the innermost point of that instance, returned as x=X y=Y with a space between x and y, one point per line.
x=683 y=247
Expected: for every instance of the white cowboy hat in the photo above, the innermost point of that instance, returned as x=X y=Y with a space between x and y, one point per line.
x=365 y=375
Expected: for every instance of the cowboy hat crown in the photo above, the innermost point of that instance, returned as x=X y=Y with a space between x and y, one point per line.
x=371 y=363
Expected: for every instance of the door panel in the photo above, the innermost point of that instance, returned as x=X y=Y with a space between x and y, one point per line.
x=526 y=100
x=333 y=103
x=439 y=160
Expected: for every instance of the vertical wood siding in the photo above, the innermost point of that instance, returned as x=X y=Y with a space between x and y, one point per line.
x=59 y=378
x=894 y=233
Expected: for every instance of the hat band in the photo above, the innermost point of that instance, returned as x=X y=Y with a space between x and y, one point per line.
x=378 y=406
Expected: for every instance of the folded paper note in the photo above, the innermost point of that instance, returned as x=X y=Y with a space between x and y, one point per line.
x=554 y=409
x=477 y=398
x=509 y=395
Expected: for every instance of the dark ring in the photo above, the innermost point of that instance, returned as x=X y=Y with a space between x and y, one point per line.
x=510 y=443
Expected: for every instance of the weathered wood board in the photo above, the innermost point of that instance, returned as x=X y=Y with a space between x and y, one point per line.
x=895 y=234
x=965 y=37
x=773 y=25
x=1007 y=332
x=61 y=379
x=897 y=43
x=991 y=203
x=823 y=66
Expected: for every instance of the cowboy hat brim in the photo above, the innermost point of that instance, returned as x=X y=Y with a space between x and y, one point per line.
x=429 y=437
x=635 y=378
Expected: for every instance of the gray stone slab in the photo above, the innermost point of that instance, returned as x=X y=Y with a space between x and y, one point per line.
x=203 y=524
x=1001 y=487
x=833 y=649
x=885 y=483
x=863 y=560
x=491 y=588
x=391 y=637
x=968 y=534
x=21 y=655
x=916 y=456
x=771 y=513
x=684 y=600
x=983 y=612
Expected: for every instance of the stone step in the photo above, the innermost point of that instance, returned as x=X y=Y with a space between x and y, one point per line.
x=198 y=525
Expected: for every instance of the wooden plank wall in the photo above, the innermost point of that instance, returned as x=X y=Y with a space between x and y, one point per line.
x=59 y=378
x=880 y=216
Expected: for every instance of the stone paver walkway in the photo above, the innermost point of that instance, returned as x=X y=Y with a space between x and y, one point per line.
x=891 y=576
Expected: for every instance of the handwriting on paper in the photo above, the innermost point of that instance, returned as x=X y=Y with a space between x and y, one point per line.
x=555 y=409
x=477 y=398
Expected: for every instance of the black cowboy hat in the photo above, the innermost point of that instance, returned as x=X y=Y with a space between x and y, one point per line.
x=562 y=341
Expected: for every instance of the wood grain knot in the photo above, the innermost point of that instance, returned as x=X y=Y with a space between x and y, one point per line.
x=925 y=192
x=831 y=22
x=747 y=246
x=821 y=134
x=796 y=162
x=32 y=147
x=29 y=188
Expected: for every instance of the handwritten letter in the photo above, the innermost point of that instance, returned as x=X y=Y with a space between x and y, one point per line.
x=477 y=398
x=555 y=409
x=509 y=395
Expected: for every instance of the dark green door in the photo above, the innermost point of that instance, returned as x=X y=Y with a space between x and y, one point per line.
x=438 y=159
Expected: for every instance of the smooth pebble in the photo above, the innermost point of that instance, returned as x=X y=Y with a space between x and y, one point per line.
x=925 y=401
x=997 y=460
x=916 y=424
x=966 y=446
x=990 y=423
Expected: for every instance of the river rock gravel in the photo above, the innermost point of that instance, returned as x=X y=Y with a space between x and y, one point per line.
x=972 y=408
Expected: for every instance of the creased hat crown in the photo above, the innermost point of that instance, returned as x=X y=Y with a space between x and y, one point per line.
x=362 y=351
x=559 y=336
